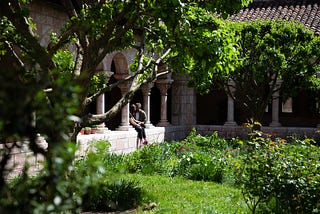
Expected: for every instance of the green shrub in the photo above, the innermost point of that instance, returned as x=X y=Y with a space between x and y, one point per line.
x=147 y=160
x=35 y=194
x=197 y=158
x=95 y=190
x=200 y=165
x=286 y=175
x=207 y=142
x=112 y=196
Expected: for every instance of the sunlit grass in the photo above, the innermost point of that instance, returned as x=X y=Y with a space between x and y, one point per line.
x=178 y=195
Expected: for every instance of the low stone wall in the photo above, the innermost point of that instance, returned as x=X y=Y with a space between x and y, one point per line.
x=21 y=156
x=239 y=131
x=126 y=141
x=123 y=142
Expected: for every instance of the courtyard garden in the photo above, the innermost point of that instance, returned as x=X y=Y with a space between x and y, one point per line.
x=205 y=174
x=201 y=174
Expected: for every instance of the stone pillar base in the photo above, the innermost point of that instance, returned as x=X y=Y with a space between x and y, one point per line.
x=230 y=123
x=275 y=124
x=163 y=123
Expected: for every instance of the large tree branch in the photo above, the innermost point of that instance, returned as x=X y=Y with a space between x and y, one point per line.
x=16 y=56
x=63 y=40
x=141 y=69
x=100 y=118
x=78 y=59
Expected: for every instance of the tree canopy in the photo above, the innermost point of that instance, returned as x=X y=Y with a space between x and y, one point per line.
x=266 y=53
x=276 y=57
x=54 y=81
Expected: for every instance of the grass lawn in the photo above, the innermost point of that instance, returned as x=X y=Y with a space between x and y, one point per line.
x=178 y=195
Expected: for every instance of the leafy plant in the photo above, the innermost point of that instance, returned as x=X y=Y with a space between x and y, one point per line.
x=287 y=174
x=112 y=196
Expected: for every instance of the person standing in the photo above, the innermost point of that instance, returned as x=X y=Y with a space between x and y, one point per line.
x=137 y=124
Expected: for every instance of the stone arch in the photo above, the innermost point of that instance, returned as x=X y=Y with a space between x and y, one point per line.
x=119 y=65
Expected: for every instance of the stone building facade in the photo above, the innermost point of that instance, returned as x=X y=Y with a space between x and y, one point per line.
x=169 y=102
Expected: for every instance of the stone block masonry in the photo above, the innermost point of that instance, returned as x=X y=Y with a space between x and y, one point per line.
x=123 y=142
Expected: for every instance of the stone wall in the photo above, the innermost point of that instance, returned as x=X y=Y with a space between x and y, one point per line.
x=123 y=142
x=21 y=156
x=49 y=18
x=239 y=131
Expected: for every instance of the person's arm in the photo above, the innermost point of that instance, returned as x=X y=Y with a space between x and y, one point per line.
x=133 y=122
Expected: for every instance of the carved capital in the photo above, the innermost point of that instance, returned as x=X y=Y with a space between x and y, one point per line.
x=164 y=85
x=147 y=87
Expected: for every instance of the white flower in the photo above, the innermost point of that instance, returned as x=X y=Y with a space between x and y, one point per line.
x=57 y=200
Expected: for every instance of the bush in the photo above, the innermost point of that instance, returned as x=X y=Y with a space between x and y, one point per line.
x=95 y=189
x=283 y=174
x=112 y=196
x=207 y=142
x=274 y=175
x=42 y=193
x=148 y=160
x=197 y=158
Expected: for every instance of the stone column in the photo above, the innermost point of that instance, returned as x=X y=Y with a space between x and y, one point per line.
x=146 y=102
x=230 y=113
x=275 y=106
x=163 y=85
x=100 y=106
x=124 y=126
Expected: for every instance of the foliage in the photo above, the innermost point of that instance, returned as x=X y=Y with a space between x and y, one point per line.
x=26 y=194
x=274 y=175
x=285 y=173
x=146 y=161
x=98 y=82
x=197 y=158
x=50 y=87
x=214 y=141
x=252 y=58
x=215 y=54
x=272 y=51
x=112 y=196
x=95 y=188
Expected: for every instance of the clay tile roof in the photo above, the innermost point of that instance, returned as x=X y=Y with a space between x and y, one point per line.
x=305 y=11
